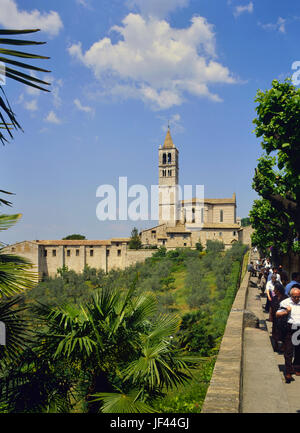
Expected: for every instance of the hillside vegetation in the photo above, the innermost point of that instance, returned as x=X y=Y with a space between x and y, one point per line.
x=102 y=339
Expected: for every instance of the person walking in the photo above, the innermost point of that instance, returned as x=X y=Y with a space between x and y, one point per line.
x=295 y=280
x=270 y=293
x=290 y=308
x=277 y=331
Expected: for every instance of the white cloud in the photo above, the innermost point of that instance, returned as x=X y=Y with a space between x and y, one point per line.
x=82 y=2
x=84 y=108
x=52 y=118
x=31 y=105
x=156 y=63
x=157 y=8
x=278 y=26
x=238 y=10
x=85 y=4
x=12 y=17
x=56 y=85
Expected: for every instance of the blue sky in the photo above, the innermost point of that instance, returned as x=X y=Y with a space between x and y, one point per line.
x=119 y=71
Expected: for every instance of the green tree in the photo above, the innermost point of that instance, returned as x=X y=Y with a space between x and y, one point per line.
x=271 y=227
x=135 y=241
x=214 y=246
x=277 y=178
x=199 y=246
x=74 y=237
x=245 y=222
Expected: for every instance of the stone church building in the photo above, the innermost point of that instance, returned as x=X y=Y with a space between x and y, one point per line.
x=182 y=223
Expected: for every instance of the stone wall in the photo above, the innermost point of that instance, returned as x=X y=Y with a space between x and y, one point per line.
x=46 y=259
x=224 y=392
x=245 y=235
x=26 y=249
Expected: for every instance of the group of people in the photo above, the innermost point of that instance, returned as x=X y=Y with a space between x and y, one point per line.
x=283 y=306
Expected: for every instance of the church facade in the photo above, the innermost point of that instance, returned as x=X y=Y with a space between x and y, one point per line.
x=184 y=223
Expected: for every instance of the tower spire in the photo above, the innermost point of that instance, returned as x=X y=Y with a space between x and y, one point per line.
x=168 y=144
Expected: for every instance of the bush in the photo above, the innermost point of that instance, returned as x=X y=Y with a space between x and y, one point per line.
x=199 y=246
x=214 y=246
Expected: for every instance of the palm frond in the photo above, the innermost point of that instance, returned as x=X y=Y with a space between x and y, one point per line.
x=16 y=328
x=2 y=200
x=16 y=274
x=7 y=116
x=7 y=221
x=122 y=403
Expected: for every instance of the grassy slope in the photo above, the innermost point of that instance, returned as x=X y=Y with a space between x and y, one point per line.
x=189 y=398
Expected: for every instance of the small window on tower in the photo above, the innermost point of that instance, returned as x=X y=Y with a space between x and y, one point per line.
x=68 y=253
x=221 y=216
x=169 y=158
x=164 y=158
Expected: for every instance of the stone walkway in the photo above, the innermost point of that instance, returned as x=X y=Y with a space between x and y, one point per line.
x=264 y=389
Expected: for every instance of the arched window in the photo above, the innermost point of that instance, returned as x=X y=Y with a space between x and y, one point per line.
x=221 y=216
x=202 y=214
x=164 y=158
x=169 y=158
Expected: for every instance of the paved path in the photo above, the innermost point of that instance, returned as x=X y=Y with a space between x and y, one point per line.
x=264 y=388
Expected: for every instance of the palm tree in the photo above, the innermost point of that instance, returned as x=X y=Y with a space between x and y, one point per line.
x=122 y=352
x=8 y=120
x=16 y=275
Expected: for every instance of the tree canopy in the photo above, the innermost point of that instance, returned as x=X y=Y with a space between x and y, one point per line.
x=277 y=177
x=74 y=237
x=135 y=241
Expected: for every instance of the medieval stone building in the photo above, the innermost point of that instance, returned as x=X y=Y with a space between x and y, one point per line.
x=182 y=223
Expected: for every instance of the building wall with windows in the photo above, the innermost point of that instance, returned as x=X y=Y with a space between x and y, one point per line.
x=48 y=256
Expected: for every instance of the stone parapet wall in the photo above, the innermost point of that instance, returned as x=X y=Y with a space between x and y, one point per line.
x=224 y=392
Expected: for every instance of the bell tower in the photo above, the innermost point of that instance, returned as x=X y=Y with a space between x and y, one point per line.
x=168 y=182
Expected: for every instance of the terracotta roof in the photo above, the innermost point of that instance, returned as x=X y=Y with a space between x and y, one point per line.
x=168 y=144
x=179 y=228
x=220 y=226
x=152 y=228
x=120 y=239
x=73 y=242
